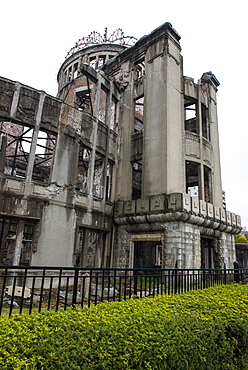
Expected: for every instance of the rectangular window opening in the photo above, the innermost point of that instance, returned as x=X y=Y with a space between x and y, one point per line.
x=192 y=178
x=137 y=180
x=8 y=235
x=102 y=105
x=83 y=168
x=17 y=153
x=208 y=184
x=140 y=68
x=98 y=176
x=139 y=114
x=190 y=116
x=205 y=123
x=113 y=115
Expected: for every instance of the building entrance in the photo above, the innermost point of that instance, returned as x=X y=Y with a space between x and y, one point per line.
x=207 y=246
x=147 y=254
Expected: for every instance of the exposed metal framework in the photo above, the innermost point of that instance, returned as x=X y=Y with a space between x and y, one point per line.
x=17 y=153
x=94 y=38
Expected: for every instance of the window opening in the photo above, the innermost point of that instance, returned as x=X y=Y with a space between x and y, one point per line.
x=44 y=156
x=158 y=255
x=79 y=247
x=140 y=69
x=8 y=235
x=102 y=106
x=190 y=116
x=83 y=167
x=19 y=140
x=93 y=62
x=147 y=254
x=192 y=178
x=205 y=122
x=92 y=249
x=137 y=179
x=139 y=113
x=98 y=176
x=75 y=70
x=70 y=74
x=207 y=247
x=207 y=184
x=109 y=181
x=101 y=60
x=84 y=97
x=113 y=115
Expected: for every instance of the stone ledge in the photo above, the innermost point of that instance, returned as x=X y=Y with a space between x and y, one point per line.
x=176 y=207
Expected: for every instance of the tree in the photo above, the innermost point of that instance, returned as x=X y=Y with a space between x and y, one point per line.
x=239 y=238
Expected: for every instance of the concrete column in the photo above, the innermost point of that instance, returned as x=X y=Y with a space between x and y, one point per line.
x=94 y=135
x=18 y=242
x=31 y=158
x=107 y=120
x=214 y=135
x=15 y=100
x=3 y=155
x=162 y=158
x=124 y=171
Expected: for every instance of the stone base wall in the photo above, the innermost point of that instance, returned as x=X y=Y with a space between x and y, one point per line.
x=181 y=244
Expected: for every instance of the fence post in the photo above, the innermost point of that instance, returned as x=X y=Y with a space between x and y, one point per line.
x=75 y=288
x=224 y=273
x=204 y=278
x=237 y=274
x=135 y=283
x=176 y=280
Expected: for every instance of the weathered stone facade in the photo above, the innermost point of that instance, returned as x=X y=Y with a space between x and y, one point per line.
x=121 y=169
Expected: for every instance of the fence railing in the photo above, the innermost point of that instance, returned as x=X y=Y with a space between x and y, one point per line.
x=34 y=289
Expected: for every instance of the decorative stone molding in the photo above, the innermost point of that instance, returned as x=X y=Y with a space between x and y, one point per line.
x=176 y=207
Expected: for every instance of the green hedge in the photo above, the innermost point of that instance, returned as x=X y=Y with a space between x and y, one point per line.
x=205 y=329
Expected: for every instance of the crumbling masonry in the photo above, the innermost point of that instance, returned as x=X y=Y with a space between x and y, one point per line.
x=121 y=169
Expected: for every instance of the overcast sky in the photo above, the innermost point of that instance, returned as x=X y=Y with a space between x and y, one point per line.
x=36 y=36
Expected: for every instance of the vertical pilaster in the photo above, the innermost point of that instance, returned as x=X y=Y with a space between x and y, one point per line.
x=18 y=242
x=31 y=158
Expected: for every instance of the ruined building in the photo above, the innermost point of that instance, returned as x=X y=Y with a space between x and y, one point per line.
x=121 y=169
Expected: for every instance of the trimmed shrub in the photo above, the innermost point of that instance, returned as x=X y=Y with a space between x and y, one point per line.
x=205 y=329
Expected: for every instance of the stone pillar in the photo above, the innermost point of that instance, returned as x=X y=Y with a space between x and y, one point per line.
x=107 y=120
x=2 y=158
x=18 y=242
x=210 y=83
x=90 y=177
x=124 y=171
x=31 y=158
x=162 y=158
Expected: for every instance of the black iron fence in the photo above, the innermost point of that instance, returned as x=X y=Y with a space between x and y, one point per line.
x=33 y=289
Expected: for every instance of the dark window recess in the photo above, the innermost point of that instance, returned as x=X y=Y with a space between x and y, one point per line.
x=93 y=62
x=82 y=171
x=137 y=180
x=83 y=101
x=205 y=123
x=207 y=250
x=190 y=116
x=139 y=113
x=192 y=178
x=147 y=254
x=101 y=60
x=208 y=184
x=8 y=235
x=17 y=151
x=140 y=69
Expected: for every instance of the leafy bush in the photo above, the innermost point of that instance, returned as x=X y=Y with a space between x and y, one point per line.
x=205 y=329
x=239 y=238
